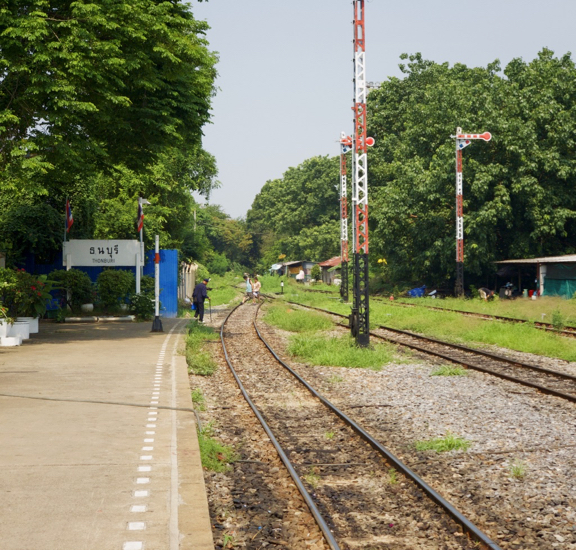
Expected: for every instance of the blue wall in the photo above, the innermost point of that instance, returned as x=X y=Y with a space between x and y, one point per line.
x=168 y=276
x=168 y=280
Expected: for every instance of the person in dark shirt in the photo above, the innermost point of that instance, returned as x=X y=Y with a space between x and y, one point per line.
x=198 y=296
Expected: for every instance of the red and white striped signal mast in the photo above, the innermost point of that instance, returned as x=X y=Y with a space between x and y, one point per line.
x=359 y=321
x=345 y=146
x=462 y=140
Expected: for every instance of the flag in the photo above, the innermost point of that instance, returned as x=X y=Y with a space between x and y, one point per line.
x=69 y=218
x=140 y=222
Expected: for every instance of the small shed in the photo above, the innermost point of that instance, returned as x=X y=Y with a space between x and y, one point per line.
x=555 y=275
x=291 y=269
x=330 y=270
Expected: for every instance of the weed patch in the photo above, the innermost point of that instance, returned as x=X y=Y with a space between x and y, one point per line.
x=340 y=352
x=215 y=456
x=449 y=370
x=518 y=469
x=296 y=320
x=198 y=399
x=199 y=358
x=444 y=444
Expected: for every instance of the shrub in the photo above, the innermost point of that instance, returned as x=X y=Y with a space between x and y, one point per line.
x=115 y=286
x=142 y=305
x=77 y=283
x=315 y=272
x=218 y=265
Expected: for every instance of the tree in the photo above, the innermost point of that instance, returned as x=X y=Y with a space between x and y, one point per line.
x=517 y=188
x=297 y=215
x=104 y=101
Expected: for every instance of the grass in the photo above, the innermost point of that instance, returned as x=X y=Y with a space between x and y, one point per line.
x=449 y=370
x=198 y=357
x=518 y=468
x=444 y=444
x=222 y=291
x=531 y=310
x=198 y=399
x=340 y=352
x=312 y=478
x=329 y=435
x=335 y=379
x=215 y=456
x=392 y=476
x=453 y=327
x=296 y=320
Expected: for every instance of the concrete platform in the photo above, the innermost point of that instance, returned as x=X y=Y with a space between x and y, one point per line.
x=97 y=451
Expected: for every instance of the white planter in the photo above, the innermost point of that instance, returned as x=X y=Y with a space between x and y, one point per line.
x=87 y=308
x=20 y=328
x=33 y=323
x=4 y=327
x=9 y=341
x=124 y=307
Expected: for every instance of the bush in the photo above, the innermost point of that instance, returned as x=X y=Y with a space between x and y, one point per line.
x=218 y=265
x=315 y=272
x=142 y=305
x=77 y=283
x=115 y=286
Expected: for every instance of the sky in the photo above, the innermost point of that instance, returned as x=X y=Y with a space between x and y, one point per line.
x=286 y=67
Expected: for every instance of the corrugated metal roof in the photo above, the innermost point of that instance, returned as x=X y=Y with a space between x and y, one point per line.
x=568 y=258
x=331 y=262
x=293 y=263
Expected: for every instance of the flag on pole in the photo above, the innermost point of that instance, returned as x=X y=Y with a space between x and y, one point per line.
x=69 y=218
x=140 y=222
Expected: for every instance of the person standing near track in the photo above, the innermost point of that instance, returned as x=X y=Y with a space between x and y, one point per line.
x=256 y=290
x=199 y=295
x=248 y=294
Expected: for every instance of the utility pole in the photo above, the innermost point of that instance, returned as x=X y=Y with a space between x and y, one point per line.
x=345 y=146
x=462 y=140
x=359 y=321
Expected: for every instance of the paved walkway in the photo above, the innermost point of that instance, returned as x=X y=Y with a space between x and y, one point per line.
x=94 y=453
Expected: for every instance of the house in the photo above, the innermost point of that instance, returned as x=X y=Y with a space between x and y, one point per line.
x=330 y=270
x=291 y=269
x=550 y=276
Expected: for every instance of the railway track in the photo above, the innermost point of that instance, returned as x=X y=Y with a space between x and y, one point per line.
x=545 y=380
x=341 y=471
x=567 y=331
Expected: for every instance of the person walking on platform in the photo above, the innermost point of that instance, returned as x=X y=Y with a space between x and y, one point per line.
x=248 y=294
x=199 y=295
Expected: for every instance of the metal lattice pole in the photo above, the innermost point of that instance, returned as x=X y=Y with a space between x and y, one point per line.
x=360 y=307
x=462 y=140
x=345 y=146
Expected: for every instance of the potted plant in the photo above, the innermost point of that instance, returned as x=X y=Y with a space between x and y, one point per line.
x=5 y=321
x=31 y=294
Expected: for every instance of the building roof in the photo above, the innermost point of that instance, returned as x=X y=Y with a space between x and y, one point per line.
x=331 y=262
x=293 y=263
x=567 y=258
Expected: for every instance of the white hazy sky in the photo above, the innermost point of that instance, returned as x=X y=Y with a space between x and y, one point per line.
x=285 y=70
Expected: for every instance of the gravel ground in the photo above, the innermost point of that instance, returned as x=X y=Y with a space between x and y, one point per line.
x=402 y=404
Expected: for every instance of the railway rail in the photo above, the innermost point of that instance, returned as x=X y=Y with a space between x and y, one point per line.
x=568 y=331
x=548 y=381
x=338 y=467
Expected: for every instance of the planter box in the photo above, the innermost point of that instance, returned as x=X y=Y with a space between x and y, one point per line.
x=10 y=341
x=20 y=328
x=87 y=308
x=4 y=328
x=33 y=321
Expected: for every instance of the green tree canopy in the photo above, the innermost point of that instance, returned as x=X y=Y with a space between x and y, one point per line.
x=297 y=215
x=518 y=188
